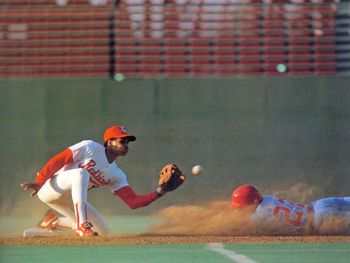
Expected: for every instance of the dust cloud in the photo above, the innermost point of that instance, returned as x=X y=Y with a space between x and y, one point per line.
x=299 y=193
x=215 y=218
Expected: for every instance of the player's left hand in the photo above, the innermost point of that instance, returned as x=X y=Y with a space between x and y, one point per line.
x=30 y=186
x=171 y=177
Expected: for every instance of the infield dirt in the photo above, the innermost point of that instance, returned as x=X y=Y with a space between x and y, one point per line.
x=162 y=239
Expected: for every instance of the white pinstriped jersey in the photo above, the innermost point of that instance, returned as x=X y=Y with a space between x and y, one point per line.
x=92 y=157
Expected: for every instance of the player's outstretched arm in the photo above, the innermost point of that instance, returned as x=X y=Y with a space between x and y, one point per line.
x=170 y=178
x=133 y=200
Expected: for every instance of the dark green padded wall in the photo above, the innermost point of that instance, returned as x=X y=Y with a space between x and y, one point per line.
x=272 y=132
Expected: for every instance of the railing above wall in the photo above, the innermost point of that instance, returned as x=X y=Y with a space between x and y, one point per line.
x=173 y=38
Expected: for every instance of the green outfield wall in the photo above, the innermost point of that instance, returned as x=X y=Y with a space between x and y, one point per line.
x=272 y=132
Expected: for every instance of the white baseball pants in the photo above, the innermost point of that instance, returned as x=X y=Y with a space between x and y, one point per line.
x=66 y=193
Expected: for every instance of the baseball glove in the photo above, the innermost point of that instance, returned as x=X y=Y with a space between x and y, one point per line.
x=170 y=178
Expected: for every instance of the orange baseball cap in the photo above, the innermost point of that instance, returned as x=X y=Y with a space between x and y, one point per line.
x=117 y=132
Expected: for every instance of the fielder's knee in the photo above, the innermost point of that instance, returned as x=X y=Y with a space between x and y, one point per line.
x=82 y=173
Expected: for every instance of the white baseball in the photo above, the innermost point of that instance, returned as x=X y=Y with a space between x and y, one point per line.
x=197 y=169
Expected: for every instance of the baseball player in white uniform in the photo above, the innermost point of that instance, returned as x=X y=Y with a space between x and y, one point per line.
x=273 y=213
x=64 y=181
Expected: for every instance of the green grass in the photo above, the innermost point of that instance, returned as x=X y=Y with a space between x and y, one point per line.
x=295 y=252
x=262 y=253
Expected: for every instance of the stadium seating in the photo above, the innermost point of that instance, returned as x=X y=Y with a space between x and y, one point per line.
x=39 y=38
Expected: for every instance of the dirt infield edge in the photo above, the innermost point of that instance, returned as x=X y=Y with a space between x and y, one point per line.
x=158 y=239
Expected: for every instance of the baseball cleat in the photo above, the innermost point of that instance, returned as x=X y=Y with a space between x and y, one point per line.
x=85 y=229
x=49 y=220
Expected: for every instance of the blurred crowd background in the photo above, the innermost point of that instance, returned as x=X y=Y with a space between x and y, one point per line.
x=174 y=37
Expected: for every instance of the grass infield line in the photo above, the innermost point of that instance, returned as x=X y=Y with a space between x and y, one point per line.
x=233 y=256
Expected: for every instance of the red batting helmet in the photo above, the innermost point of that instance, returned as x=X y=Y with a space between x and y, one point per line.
x=245 y=195
x=117 y=132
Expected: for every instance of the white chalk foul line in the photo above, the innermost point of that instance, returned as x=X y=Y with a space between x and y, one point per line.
x=220 y=248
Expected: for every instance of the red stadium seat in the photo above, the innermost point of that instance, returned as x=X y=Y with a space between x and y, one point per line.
x=39 y=38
